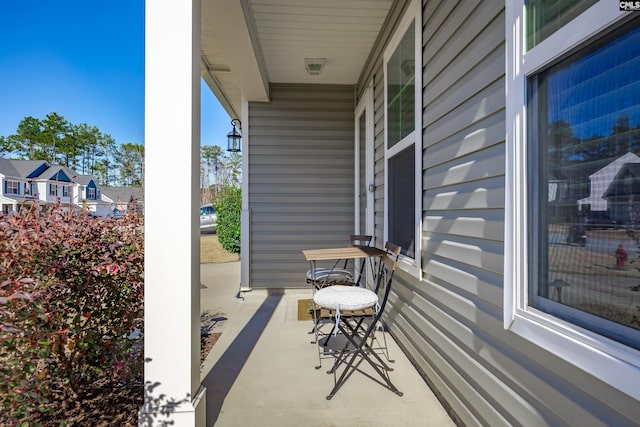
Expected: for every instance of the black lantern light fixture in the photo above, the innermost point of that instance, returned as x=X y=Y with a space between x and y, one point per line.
x=234 y=138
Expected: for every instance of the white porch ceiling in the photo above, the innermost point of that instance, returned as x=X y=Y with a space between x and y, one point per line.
x=247 y=44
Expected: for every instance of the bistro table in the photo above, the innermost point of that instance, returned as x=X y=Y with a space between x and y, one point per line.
x=342 y=253
x=346 y=252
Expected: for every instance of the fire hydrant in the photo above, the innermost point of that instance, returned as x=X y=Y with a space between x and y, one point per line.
x=621 y=256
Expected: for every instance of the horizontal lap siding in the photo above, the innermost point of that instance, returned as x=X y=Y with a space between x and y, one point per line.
x=301 y=179
x=450 y=323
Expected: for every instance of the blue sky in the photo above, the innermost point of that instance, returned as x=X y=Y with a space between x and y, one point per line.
x=85 y=61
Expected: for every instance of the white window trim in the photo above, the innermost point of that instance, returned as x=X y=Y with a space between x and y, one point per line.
x=603 y=358
x=413 y=13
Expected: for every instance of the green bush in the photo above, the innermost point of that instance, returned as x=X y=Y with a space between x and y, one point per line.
x=229 y=208
x=71 y=296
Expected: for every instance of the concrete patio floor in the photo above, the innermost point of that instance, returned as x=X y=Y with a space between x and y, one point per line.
x=261 y=370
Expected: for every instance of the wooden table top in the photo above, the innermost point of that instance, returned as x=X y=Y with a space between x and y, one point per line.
x=346 y=252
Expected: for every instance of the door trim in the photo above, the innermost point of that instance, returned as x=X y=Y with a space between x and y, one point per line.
x=365 y=106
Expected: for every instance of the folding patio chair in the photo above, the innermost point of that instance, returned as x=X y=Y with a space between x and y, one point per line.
x=359 y=325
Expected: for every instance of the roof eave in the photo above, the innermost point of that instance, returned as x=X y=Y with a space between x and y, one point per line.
x=236 y=37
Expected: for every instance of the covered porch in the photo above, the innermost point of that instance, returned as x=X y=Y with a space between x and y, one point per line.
x=261 y=369
x=298 y=158
x=411 y=133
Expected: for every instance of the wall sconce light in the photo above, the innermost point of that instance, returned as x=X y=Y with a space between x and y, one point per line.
x=234 y=138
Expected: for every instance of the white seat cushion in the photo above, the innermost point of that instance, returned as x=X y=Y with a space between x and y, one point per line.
x=345 y=298
x=330 y=275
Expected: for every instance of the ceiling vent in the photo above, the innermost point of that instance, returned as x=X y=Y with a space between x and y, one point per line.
x=314 y=66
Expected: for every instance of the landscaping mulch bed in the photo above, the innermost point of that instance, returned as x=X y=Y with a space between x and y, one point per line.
x=101 y=406
x=106 y=406
x=206 y=344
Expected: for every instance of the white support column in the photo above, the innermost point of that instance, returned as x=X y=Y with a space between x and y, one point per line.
x=172 y=249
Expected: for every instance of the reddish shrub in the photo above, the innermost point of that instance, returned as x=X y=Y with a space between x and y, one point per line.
x=71 y=300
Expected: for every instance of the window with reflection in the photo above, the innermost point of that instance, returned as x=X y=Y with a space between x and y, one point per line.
x=401 y=73
x=584 y=165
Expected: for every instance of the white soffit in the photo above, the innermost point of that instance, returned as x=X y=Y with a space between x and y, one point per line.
x=284 y=33
x=342 y=31
x=225 y=22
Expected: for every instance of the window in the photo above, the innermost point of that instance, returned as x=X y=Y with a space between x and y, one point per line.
x=91 y=193
x=207 y=210
x=401 y=73
x=545 y=17
x=573 y=169
x=403 y=144
x=66 y=191
x=585 y=142
x=30 y=189
x=402 y=201
x=12 y=187
x=53 y=190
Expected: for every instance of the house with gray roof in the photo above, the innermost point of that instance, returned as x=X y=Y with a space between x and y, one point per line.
x=39 y=181
x=124 y=198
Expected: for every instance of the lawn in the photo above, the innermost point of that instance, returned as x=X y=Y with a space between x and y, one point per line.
x=212 y=251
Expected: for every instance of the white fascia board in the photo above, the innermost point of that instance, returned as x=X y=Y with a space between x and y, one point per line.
x=218 y=92
x=229 y=26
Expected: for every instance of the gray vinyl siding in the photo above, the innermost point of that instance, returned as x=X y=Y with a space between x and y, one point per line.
x=301 y=184
x=451 y=322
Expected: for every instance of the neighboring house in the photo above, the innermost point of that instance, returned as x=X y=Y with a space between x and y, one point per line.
x=419 y=122
x=124 y=198
x=623 y=195
x=562 y=206
x=37 y=180
x=601 y=181
x=89 y=193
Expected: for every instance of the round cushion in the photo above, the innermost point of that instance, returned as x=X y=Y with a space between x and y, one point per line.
x=345 y=298
x=330 y=274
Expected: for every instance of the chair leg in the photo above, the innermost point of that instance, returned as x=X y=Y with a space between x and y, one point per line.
x=363 y=350
x=322 y=341
x=384 y=349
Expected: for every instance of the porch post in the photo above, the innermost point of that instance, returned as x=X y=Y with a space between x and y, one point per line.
x=172 y=249
x=245 y=216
